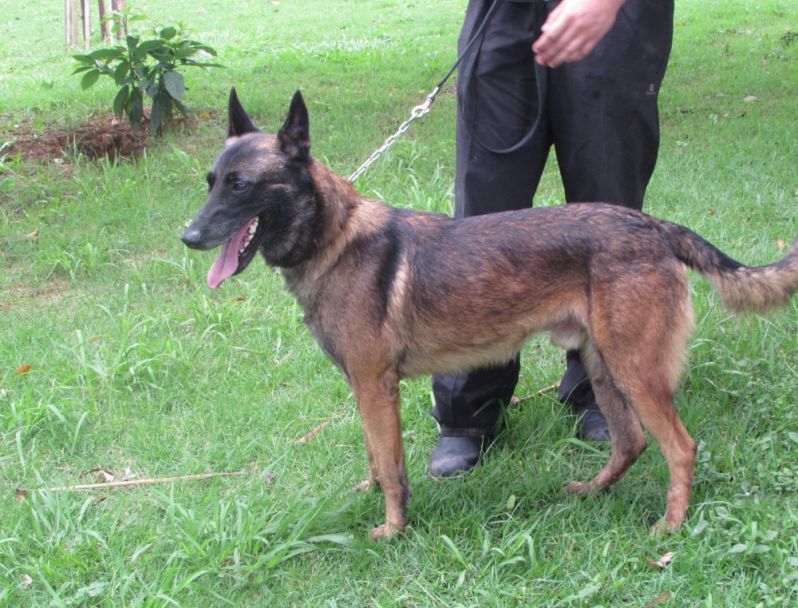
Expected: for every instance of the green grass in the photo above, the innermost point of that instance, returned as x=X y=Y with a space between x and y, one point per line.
x=136 y=365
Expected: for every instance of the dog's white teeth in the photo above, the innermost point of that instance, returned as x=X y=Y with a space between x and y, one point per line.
x=253 y=227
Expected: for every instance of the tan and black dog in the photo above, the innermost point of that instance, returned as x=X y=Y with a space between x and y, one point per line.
x=390 y=293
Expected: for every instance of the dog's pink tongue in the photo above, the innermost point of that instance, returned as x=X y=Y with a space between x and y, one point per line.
x=226 y=264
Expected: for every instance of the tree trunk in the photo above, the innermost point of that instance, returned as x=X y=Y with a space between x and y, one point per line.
x=67 y=24
x=86 y=14
x=119 y=5
x=105 y=31
x=72 y=23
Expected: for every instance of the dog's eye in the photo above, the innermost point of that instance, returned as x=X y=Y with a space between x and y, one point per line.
x=239 y=186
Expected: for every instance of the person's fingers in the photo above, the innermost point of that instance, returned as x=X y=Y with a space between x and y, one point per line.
x=553 y=33
x=573 y=29
x=561 y=44
x=570 y=50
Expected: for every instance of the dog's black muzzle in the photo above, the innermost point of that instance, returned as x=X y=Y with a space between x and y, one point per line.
x=194 y=238
x=210 y=228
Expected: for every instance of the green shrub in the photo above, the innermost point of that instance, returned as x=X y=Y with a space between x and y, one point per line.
x=145 y=67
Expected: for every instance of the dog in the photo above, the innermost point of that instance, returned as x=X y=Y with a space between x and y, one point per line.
x=392 y=293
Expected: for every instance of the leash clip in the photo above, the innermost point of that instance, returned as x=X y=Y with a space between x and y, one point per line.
x=424 y=108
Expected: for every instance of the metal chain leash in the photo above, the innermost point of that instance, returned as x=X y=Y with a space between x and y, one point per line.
x=424 y=108
x=416 y=113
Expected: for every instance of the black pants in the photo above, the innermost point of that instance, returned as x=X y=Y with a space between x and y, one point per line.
x=600 y=115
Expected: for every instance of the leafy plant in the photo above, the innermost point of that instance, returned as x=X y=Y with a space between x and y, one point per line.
x=145 y=67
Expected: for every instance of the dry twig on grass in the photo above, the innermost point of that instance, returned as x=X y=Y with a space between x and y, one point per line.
x=22 y=492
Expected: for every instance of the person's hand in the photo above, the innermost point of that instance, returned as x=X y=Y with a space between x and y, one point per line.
x=573 y=29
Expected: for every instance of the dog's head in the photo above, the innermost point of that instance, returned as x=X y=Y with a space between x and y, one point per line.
x=260 y=195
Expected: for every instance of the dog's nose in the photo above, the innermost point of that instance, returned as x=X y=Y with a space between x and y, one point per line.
x=192 y=237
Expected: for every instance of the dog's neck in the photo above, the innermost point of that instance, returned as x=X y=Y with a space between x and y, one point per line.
x=344 y=216
x=337 y=198
x=336 y=201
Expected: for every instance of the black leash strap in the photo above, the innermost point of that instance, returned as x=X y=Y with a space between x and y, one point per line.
x=466 y=75
x=466 y=88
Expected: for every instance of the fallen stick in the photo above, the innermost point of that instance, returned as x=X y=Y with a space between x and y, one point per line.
x=515 y=400
x=313 y=433
x=548 y=389
x=130 y=482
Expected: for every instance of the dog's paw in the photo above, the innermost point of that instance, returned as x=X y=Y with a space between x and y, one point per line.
x=579 y=488
x=663 y=527
x=365 y=485
x=385 y=532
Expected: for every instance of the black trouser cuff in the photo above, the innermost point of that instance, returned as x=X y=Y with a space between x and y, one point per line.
x=475 y=433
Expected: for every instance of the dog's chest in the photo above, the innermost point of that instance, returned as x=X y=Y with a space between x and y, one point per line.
x=326 y=339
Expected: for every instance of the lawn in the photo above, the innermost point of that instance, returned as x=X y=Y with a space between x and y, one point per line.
x=117 y=360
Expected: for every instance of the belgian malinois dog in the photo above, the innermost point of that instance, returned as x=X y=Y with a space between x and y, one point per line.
x=390 y=293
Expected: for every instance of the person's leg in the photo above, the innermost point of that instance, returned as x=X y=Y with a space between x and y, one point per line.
x=498 y=107
x=605 y=126
x=603 y=109
x=576 y=391
x=467 y=408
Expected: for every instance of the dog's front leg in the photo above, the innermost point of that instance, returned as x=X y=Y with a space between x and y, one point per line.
x=373 y=480
x=378 y=402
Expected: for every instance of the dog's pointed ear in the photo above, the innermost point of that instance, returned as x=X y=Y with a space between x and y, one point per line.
x=239 y=121
x=294 y=136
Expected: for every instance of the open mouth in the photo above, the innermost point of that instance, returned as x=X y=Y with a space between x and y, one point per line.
x=236 y=253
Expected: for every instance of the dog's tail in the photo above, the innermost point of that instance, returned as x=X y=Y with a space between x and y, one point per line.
x=742 y=288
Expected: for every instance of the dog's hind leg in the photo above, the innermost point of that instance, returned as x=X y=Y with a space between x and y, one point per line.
x=654 y=404
x=626 y=435
x=378 y=402
x=644 y=350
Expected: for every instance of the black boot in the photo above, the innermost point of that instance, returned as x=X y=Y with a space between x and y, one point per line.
x=592 y=424
x=468 y=408
x=575 y=390
x=456 y=454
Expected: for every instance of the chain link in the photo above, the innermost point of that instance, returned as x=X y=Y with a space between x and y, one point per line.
x=418 y=112
x=424 y=108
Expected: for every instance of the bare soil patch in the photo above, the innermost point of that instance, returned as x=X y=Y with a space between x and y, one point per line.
x=103 y=135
